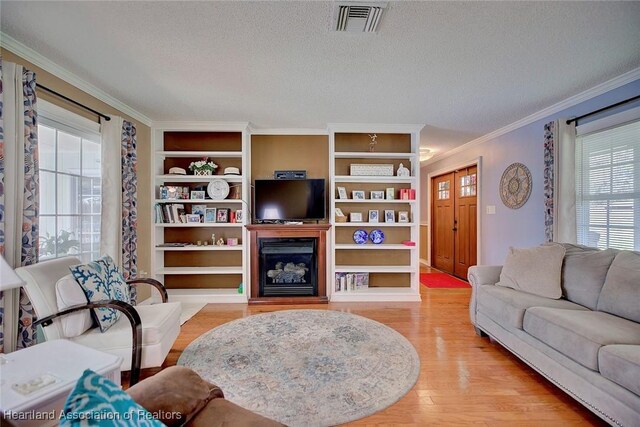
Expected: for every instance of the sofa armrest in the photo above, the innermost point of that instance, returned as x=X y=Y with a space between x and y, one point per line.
x=479 y=275
x=174 y=395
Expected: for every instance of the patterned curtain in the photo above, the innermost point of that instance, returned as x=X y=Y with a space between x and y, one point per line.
x=549 y=174
x=560 y=182
x=18 y=92
x=129 y=203
x=30 y=202
x=1 y=205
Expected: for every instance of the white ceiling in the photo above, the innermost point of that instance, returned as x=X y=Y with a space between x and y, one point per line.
x=464 y=69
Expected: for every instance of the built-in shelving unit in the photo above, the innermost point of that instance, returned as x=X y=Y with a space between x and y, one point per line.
x=392 y=266
x=197 y=272
x=213 y=273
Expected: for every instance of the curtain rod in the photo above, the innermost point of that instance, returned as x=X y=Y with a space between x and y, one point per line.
x=46 y=89
x=617 y=104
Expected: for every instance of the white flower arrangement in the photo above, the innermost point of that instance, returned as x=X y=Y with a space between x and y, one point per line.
x=203 y=165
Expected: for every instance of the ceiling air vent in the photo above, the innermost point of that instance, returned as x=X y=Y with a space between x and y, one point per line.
x=358 y=17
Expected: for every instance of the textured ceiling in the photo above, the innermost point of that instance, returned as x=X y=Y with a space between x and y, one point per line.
x=464 y=69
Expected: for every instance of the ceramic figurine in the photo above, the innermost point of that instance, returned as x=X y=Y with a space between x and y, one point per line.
x=220 y=242
x=402 y=171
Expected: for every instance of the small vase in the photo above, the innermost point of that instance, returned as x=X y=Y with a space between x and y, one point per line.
x=202 y=172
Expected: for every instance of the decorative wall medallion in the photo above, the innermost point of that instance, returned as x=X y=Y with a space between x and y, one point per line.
x=515 y=186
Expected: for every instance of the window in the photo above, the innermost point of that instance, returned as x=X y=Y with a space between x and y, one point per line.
x=70 y=185
x=608 y=182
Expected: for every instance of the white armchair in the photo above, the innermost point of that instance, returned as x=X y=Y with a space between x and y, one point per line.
x=142 y=337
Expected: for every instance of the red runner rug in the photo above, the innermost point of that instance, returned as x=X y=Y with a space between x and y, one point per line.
x=442 y=280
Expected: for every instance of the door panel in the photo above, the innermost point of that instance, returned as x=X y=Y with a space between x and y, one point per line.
x=442 y=236
x=466 y=210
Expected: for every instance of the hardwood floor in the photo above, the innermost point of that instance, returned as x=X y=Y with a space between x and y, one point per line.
x=464 y=379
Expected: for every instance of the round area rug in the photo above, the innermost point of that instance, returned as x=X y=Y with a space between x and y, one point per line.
x=306 y=367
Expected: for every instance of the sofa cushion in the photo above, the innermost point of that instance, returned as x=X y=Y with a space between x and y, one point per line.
x=621 y=364
x=579 y=334
x=522 y=270
x=68 y=294
x=507 y=306
x=583 y=273
x=621 y=292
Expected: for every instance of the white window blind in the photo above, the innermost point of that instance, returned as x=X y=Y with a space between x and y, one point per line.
x=608 y=187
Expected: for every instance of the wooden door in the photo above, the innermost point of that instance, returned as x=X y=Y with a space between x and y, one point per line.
x=465 y=220
x=442 y=223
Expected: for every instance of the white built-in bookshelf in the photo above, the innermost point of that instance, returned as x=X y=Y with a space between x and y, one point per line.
x=192 y=271
x=392 y=266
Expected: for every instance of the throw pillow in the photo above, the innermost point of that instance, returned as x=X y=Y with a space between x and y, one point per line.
x=116 y=280
x=534 y=270
x=68 y=294
x=99 y=282
x=95 y=400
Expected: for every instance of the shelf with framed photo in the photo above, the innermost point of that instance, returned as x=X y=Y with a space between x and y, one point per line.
x=200 y=167
x=375 y=186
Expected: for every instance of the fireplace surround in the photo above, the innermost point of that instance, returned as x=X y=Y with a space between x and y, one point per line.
x=288 y=263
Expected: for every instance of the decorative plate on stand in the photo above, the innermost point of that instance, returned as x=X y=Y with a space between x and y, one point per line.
x=360 y=237
x=376 y=236
x=218 y=189
x=515 y=186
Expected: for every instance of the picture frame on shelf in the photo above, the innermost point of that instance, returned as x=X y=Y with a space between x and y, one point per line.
x=391 y=193
x=377 y=195
x=210 y=214
x=403 y=216
x=197 y=195
x=232 y=241
x=355 y=217
x=357 y=195
x=373 y=215
x=222 y=215
x=342 y=193
x=198 y=209
x=239 y=215
x=389 y=215
x=339 y=212
x=191 y=218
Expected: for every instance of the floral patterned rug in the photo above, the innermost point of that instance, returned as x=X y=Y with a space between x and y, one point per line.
x=306 y=367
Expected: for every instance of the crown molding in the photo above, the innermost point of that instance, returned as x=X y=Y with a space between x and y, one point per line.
x=287 y=131
x=25 y=52
x=177 y=125
x=600 y=89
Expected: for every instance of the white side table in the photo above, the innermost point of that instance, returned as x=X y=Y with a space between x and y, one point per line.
x=64 y=360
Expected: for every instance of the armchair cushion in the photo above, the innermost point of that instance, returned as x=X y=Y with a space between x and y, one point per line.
x=68 y=294
x=101 y=280
x=95 y=400
x=160 y=328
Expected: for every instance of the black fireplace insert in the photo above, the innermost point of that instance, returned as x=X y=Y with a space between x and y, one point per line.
x=288 y=267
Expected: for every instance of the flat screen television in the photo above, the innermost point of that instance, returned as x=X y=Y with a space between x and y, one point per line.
x=289 y=199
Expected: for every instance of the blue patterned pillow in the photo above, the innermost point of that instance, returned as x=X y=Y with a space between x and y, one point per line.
x=101 y=280
x=96 y=401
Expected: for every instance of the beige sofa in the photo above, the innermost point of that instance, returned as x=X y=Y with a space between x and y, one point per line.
x=588 y=342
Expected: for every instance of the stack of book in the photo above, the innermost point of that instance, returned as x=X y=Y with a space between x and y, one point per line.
x=170 y=213
x=351 y=281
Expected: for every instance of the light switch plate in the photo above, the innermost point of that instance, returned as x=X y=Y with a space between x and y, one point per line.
x=491 y=209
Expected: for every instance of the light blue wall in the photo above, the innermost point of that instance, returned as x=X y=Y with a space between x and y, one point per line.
x=522 y=227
